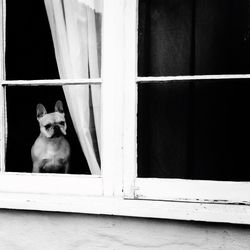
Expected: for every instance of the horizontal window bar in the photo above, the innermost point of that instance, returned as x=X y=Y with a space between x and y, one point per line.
x=160 y=79
x=57 y=82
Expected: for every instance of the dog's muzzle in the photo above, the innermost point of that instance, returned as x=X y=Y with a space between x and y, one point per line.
x=57 y=131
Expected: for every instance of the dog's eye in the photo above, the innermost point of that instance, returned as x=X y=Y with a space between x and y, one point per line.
x=62 y=123
x=48 y=126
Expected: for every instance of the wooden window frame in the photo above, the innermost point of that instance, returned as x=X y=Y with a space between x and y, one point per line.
x=219 y=196
x=118 y=191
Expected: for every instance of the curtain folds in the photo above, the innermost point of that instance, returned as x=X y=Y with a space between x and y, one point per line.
x=74 y=26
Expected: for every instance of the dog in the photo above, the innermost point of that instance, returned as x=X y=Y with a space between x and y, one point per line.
x=50 y=152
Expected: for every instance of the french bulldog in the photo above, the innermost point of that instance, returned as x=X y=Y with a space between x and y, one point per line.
x=50 y=152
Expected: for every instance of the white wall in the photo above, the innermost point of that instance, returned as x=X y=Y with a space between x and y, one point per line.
x=28 y=230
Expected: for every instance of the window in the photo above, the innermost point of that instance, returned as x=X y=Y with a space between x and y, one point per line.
x=190 y=129
x=189 y=102
x=147 y=99
x=77 y=46
x=52 y=40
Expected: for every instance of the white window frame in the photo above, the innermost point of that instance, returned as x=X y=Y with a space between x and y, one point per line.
x=74 y=193
x=219 y=196
x=118 y=191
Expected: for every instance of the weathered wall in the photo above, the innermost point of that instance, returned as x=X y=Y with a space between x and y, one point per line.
x=25 y=230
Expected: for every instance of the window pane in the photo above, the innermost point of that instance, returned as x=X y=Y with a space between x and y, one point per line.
x=28 y=123
x=47 y=39
x=183 y=37
x=194 y=130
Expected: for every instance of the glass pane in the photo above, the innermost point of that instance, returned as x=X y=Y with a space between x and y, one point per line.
x=47 y=39
x=186 y=37
x=194 y=130
x=37 y=133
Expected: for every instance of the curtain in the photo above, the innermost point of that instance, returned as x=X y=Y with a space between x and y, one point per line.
x=75 y=28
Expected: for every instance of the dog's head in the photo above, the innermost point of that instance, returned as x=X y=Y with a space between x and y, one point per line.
x=52 y=124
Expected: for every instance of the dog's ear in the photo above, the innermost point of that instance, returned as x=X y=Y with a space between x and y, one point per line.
x=40 y=111
x=59 y=107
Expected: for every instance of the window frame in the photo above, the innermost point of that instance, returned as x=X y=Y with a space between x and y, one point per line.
x=117 y=191
x=217 y=195
x=31 y=183
x=205 y=191
x=16 y=187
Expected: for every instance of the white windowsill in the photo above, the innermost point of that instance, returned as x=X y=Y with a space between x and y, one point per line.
x=52 y=184
x=226 y=213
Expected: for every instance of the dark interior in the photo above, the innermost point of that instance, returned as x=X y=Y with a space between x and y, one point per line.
x=194 y=130
x=30 y=56
x=186 y=37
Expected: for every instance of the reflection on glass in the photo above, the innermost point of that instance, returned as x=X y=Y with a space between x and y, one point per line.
x=194 y=130
x=184 y=37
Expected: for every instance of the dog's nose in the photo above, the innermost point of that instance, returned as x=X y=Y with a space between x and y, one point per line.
x=57 y=130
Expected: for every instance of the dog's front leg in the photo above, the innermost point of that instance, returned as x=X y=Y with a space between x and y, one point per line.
x=66 y=168
x=36 y=167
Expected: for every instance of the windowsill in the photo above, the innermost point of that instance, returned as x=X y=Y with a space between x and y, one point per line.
x=225 y=213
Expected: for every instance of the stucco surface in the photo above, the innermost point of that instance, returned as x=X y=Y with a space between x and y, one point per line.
x=28 y=230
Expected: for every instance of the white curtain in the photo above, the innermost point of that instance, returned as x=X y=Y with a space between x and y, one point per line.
x=75 y=27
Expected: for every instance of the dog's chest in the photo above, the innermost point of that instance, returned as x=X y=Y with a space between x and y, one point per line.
x=52 y=150
x=55 y=152
x=55 y=158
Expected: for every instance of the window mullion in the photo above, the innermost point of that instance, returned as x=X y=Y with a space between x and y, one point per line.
x=130 y=100
x=112 y=95
x=2 y=63
x=2 y=38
